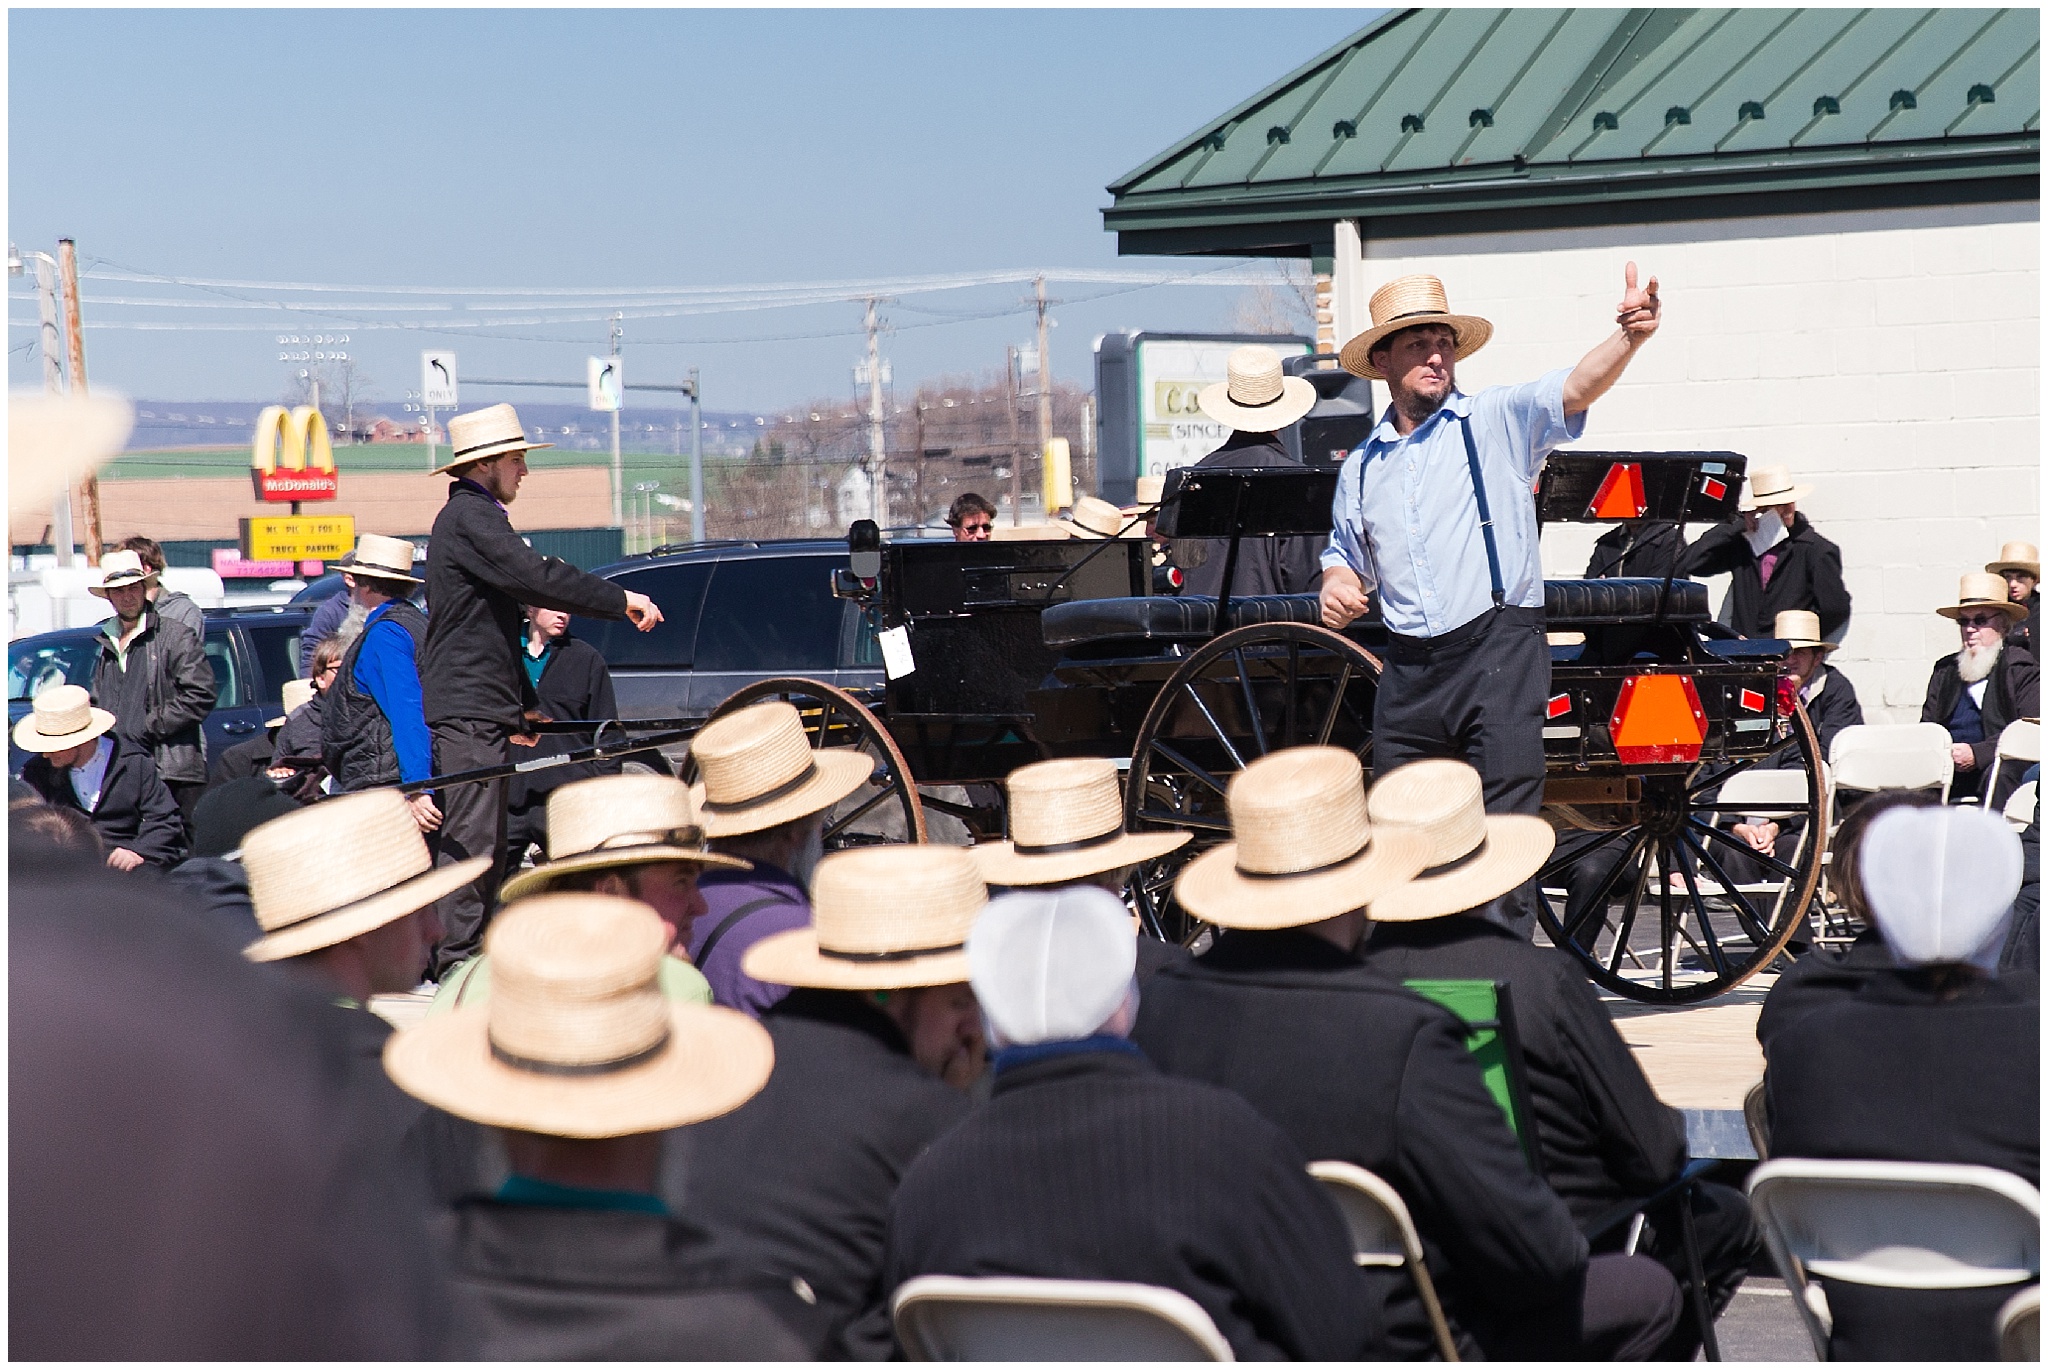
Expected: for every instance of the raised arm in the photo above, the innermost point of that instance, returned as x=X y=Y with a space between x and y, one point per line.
x=1636 y=319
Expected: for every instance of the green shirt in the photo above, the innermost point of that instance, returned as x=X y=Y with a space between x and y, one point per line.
x=470 y=983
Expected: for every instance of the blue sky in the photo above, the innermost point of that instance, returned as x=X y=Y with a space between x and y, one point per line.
x=546 y=149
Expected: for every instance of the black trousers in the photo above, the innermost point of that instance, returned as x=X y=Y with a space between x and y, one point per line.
x=1728 y=1242
x=1476 y=694
x=472 y=824
x=1628 y=1307
x=523 y=828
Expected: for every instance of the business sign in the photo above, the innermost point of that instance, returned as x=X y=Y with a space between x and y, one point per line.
x=437 y=380
x=230 y=564
x=606 y=384
x=298 y=537
x=292 y=457
x=1172 y=373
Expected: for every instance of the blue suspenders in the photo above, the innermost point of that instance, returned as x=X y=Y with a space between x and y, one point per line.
x=1500 y=595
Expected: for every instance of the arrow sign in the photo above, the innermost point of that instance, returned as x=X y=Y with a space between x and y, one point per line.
x=437 y=379
x=606 y=383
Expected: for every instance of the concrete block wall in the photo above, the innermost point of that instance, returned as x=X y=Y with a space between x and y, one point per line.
x=1891 y=358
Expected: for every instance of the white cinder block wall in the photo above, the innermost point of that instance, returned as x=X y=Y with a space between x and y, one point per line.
x=1891 y=358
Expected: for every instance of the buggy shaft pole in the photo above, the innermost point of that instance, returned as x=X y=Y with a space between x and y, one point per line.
x=541 y=763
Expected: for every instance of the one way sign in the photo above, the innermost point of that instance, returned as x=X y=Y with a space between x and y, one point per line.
x=605 y=384
x=437 y=379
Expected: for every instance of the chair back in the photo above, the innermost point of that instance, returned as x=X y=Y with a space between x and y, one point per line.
x=2019 y=1326
x=1383 y=1234
x=1487 y=1009
x=2019 y=810
x=1756 y=1117
x=949 y=1317
x=2019 y=742
x=1892 y=756
x=1773 y=790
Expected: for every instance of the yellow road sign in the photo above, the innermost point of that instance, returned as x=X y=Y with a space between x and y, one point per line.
x=298 y=537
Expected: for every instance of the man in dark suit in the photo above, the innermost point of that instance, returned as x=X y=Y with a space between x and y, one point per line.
x=2020 y=564
x=1775 y=559
x=1976 y=691
x=1638 y=547
x=78 y=761
x=572 y=681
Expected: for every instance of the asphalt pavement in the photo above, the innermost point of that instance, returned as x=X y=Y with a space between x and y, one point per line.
x=1761 y=1324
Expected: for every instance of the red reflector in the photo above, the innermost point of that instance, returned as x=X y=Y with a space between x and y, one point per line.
x=1713 y=489
x=1621 y=493
x=1559 y=706
x=1753 y=700
x=1657 y=718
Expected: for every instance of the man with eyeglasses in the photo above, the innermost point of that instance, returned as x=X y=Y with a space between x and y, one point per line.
x=1976 y=691
x=971 y=518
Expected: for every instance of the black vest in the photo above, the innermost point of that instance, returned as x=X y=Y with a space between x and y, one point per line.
x=355 y=735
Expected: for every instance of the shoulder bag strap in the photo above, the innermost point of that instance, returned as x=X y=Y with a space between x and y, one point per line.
x=727 y=923
x=1500 y=595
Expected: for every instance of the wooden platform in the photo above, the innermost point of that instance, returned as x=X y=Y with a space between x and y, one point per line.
x=1702 y=1059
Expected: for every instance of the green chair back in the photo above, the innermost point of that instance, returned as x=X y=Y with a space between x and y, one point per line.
x=1487 y=1009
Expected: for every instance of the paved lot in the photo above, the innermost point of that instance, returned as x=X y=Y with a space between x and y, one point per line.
x=1762 y=1324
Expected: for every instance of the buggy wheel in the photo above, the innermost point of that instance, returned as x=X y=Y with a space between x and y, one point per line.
x=1239 y=696
x=1671 y=907
x=887 y=808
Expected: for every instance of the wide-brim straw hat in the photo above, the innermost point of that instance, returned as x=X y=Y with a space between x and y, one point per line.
x=576 y=1038
x=382 y=558
x=321 y=875
x=1800 y=628
x=1770 y=485
x=609 y=821
x=1030 y=532
x=1474 y=857
x=61 y=718
x=1983 y=590
x=760 y=771
x=1305 y=850
x=2017 y=556
x=1100 y=520
x=55 y=439
x=1404 y=303
x=121 y=568
x=296 y=695
x=485 y=433
x=1067 y=823
x=891 y=917
x=1256 y=397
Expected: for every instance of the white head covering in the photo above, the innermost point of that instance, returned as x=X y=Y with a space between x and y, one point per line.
x=1940 y=884
x=1051 y=965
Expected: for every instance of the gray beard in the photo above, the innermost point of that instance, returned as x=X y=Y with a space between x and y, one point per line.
x=351 y=625
x=1975 y=663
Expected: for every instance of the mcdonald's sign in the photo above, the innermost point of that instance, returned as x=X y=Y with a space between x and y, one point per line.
x=292 y=458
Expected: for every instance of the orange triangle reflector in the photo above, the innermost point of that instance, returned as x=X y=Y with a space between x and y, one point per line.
x=1657 y=718
x=1621 y=493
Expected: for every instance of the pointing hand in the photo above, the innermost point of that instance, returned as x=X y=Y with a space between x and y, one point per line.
x=1640 y=309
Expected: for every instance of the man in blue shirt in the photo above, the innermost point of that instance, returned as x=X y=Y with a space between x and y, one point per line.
x=373 y=722
x=1437 y=511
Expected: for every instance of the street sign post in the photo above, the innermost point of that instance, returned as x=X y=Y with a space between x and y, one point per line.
x=307 y=537
x=606 y=384
x=437 y=379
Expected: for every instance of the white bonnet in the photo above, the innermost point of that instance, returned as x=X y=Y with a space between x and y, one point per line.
x=1051 y=965
x=1940 y=883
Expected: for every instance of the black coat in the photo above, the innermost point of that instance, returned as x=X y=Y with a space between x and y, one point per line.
x=161 y=697
x=2022 y=633
x=1820 y=979
x=1808 y=576
x=1638 y=547
x=1092 y=1165
x=2013 y=691
x=245 y=759
x=532 y=1283
x=1604 y=1134
x=575 y=683
x=1832 y=707
x=801 y=1175
x=1265 y=565
x=479 y=573
x=1285 y=1019
x=135 y=810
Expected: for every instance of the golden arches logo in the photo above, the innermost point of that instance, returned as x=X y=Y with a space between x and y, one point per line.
x=292 y=456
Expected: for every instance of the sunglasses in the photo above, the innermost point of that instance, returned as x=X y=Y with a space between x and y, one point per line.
x=1979 y=620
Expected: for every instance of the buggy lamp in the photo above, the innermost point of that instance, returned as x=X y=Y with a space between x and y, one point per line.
x=864 y=549
x=1657 y=718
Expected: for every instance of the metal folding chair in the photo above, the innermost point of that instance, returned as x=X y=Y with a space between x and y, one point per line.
x=2020 y=742
x=1383 y=1234
x=2019 y=1326
x=949 y=1317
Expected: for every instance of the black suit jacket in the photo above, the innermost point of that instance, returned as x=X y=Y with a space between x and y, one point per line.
x=1265 y=565
x=1604 y=1134
x=1638 y=547
x=2013 y=691
x=135 y=809
x=575 y=683
x=1808 y=576
x=1354 y=1067
x=1095 y=1166
x=1832 y=708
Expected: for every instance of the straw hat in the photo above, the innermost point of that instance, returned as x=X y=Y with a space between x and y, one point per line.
x=1066 y=823
x=1474 y=857
x=1030 y=532
x=888 y=917
x=618 y=820
x=295 y=694
x=1099 y=519
x=1800 y=628
x=339 y=869
x=1256 y=397
x=576 y=1039
x=121 y=568
x=1404 y=303
x=61 y=718
x=1305 y=850
x=1150 y=489
x=760 y=770
x=484 y=433
x=52 y=439
x=1771 y=485
x=382 y=558
x=1983 y=590
x=2017 y=556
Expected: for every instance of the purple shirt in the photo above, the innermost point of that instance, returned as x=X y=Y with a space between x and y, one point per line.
x=773 y=902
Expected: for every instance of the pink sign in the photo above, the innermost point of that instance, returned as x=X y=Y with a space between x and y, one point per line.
x=229 y=565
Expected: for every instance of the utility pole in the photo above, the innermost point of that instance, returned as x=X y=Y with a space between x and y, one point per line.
x=74 y=339
x=878 y=452
x=1016 y=456
x=618 y=465
x=51 y=340
x=1044 y=377
x=696 y=459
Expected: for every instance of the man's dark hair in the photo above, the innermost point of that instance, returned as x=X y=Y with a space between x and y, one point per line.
x=586 y=881
x=149 y=549
x=969 y=503
x=328 y=651
x=66 y=830
x=1386 y=344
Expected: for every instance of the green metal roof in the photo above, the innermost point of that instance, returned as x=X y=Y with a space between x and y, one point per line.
x=1468 y=120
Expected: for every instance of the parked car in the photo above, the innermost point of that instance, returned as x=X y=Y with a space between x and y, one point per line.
x=320 y=589
x=733 y=613
x=253 y=652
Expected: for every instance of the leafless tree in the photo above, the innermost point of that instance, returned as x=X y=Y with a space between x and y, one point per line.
x=1285 y=304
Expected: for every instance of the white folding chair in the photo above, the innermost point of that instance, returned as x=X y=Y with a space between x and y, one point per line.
x=950 y=1317
x=1382 y=1234
x=2019 y=810
x=1896 y=1225
x=2020 y=742
x=1890 y=756
x=2019 y=1326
